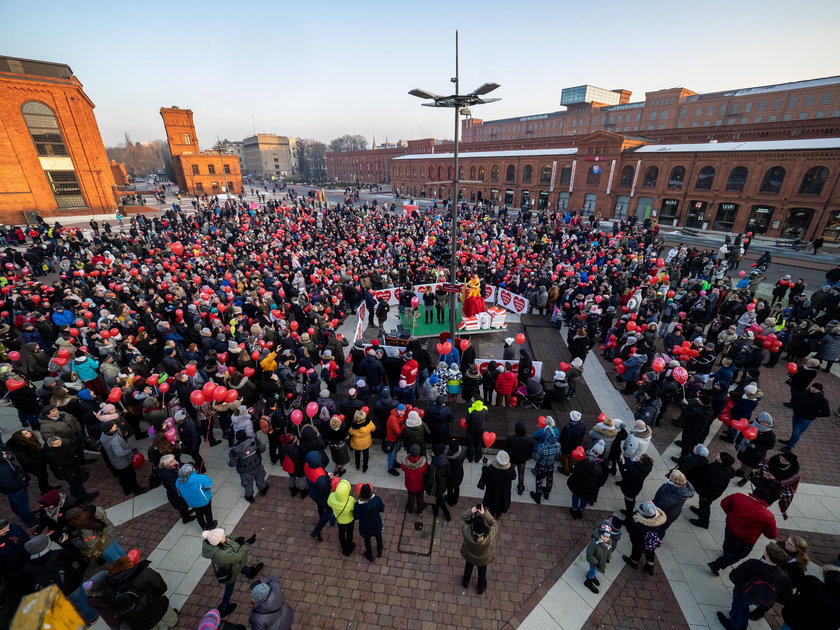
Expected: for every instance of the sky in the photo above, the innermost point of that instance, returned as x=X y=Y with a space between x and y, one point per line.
x=321 y=69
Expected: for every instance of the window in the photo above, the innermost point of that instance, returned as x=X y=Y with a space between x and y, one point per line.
x=652 y=116
x=762 y=105
x=211 y=168
x=494 y=174
x=472 y=172
x=195 y=169
x=710 y=110
x=227 y=169
x=450 y=173
x=527 y=174
x=748 y=107
x=772 y=118
x=545 y=174
x=440 y=173
x=705 y=178
x=757 y=119
x=651 y=175
x=725 y=217
x=777 y=104
x=826 y=98
x=773 y=180
x=187 y=139
x=737 y=179
x=566 y=174
x=722 y=109
x=460 y=173
x=733 y=109
x=794 y=100
x=787 y=117
x=65 y=188
x=663 y=116
x=510 y=173
x=593 y=177
x=626 y=178
x=813 y=181
x=803 y=116
x=44 y=129
x=481 y=174
x=809 y=100
x=820 y=114
x=677 y=177
x=199 y=188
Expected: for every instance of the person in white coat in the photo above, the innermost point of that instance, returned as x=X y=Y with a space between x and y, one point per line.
x=637 y=442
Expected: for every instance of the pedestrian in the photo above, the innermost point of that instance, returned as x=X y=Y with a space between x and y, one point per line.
x=394 y=429
x=807 y=407
x=712 y=483
x=318 y=482
x=228 y=558
x=246 y=457
x=747 y=518
x=479 y=530
x=520 y=449
x=477 y=415
x=196 y=490
x=780 y=477
x=437 y=480
x=546 y=452
x=93 y=533
x=121 y=457
x=167 y=472
x=505 y=385
x=829 y=348
x=136 y=596
x=336 y=437
x=637 y=441
x=342 y=504
x=633 y=475
x=496 y=480
x=66 y=465
x=270 y=610
x=757 y=582
x=571 y=436
x=360 y=438
x=816 y=604
x=671 y=496
x=645 y=529
x=598 y=554
x=369 y=506
x=456 y=454
x=586 y=479
x=14 y=482
x=752 y=452
x=795 y=565
x=414 y=466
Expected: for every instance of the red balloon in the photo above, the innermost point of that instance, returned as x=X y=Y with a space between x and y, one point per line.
x=578 y=454
x=248 y=371
x=152 y=380
x=115 y=395
x=463 y=423
x=14 y=355
x=73 y=332
x=137 y=460
x=231 y=395
x=520 y=338
x=14 y=384
x=541 y=422
x=164 y=388
x=220 y=393
x=750 y=433
x=680 y=375
x=514 y=401
x=293 y=325
x=134 y=556
x=177 y=248
x=792 y=368
x=297 y=417
x=190 y=369
x=197 y=398
x=658 y=364
x=489 y=438
x=208 y=389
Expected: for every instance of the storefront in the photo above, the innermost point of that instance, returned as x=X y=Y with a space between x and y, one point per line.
x=696 y=214
x=797 y=222
x=832 y=226
x=590 y=200
x=725 y=217
x=759 y=220
x=563 y=201
x=543 y=200
x=622 y=207
x=669 y=211
x=643 y=208
x=494 y=195
x=509 y=197
x=525 y=200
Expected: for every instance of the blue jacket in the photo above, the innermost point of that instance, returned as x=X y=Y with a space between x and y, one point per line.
x=633 y=367
x=368 y=515
x=196 y=490
x=64 y=318
x=86 y=369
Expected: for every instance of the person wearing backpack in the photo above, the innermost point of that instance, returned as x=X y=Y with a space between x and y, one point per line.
x=137 y=596
x=229 y=558
x=759 y=582
x=246 y=457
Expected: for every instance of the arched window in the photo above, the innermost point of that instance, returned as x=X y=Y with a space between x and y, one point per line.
x=773 y=180
x=431 y=172
x=651 y=175
x=626 y=178
x=510 y=173
x=527 y=174
x=675 y=181
x=566 y=174
x=705 y=178
x=545 y=174
x=813 y=181
x=593 y=177
x=737 y=179
x=494 y=173
x=472 y=172
x=44 y=129
x=481 y=174
x=413 y=171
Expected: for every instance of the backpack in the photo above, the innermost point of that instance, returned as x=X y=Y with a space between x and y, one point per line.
x=128 y=602
x=759 y=592
x=51 y=572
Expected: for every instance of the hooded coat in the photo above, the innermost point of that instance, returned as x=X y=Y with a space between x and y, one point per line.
x=368 y=514
x=637 y=443
x=342 y=503
x=586 y=478
x=496 y=482
x=633 y=476
x=478 y=551
x=414 y=469
x=361 y=434
x=274 y=612
x=520 y=445
x=145 y=581
x=227 y=554
x=670 y=499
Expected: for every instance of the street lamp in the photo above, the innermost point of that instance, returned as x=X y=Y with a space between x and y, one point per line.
x=461 y=104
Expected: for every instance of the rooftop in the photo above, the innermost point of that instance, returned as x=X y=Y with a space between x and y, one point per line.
x=811 y=144
x=32 y=67
x=488 y=154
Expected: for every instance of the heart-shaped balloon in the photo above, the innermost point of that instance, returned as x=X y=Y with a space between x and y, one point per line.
x=489 y=438
x=248 y=371
x=13 y=384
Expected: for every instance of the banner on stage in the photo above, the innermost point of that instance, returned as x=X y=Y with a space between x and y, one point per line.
x=536 y=370
x=511 y=301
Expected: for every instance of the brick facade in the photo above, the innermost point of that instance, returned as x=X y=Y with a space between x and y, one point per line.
x=197 y=172
x=75 y=149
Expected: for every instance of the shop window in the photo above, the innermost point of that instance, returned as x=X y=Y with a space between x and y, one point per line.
x=773 y=180
x=626 y=178
x=737 y=179
x=43 y=128
x=759 y=220
x=545 y=174
x=510 y=173
x=651 y=175
x=66 y=190
x=677 y=177
x=725 y=217
x=705 y=178
x=527 y=174
x=566 y=174
x=813 y=181
x=593 y=177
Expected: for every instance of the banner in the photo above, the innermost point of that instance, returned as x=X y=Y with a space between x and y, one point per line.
x=392 y=296
x=536 y=370
x=511 y=301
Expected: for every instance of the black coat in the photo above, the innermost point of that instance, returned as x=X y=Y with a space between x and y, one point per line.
x=145 y=581
x=756 y=450
x=12 y=477
x=633 y=477
x=695 y=418
x=586 y=478
x=456 y=467
x=811 y=406
x=496 y=483
x=520 y=448
x=816 y=605
x=438 y=418
x=437 y=477
x=571 y=436
x=714 y=481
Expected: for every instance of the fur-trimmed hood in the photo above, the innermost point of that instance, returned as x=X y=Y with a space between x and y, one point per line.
x=653 y=521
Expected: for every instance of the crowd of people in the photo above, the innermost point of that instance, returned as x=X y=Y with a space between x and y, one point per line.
x=221 y=326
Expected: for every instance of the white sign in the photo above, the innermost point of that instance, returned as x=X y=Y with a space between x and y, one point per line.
x=511 y=301
x=536 y=369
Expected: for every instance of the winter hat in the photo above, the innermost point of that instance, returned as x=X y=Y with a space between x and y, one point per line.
x=166 y=461
x=764 y=422
x=326 y=354
x=351 y=392
x=185 y=471
x=85 y=394
x=365 y=491
x=50 y=499
x=598 y=448
x=260 y=592
x=414 y=451
x=38 y=545
x=107 y=427
x=324 y=393
x=401 y=407
x=479 y=525
x=509 y=341
x=646 y=508
x=559 y=375
x=751 y=389
x=677 y=478
x=107 y=408
x=503 y=459
x=549 y=422
x=639 y=426
x=240 y=435
x=575 y=416
x=438 y=449
x=385 y=392
x=179 y=415
x=701 y=450
x=360 y=382
x=413 y=419
x=213 y=536
x=578 y=362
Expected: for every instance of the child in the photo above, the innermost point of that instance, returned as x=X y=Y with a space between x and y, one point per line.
x=598 y=554
x=367 y=511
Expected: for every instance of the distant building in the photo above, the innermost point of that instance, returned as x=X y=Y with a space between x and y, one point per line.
x=198 y=173
x=267 y=155
x=52 y=158
x=229 y=147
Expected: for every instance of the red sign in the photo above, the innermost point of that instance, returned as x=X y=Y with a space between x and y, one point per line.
x=448 y=287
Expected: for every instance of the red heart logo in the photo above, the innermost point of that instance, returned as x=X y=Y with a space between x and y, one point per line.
x=13 y=384
x=488 y=291
x=489 y=438
x=505 y=295
x=519 y=304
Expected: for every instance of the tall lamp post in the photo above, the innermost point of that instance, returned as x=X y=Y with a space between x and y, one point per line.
x=460 y=103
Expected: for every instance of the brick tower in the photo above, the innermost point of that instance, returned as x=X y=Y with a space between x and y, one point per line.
x=180 y=130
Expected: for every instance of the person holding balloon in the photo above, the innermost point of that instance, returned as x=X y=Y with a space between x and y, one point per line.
x=123 y=458
x=752 y=443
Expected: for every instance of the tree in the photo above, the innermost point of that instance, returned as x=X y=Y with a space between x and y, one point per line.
x=348 y=143
x=141 y=158
x=312 y=163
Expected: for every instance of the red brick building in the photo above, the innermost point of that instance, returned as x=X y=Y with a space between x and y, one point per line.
x=198 y=173
x=781 y=188
x=52 y=158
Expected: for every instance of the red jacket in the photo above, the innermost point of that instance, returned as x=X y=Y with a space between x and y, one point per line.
x=415 y=473
x=748 y=518
x=396 y=425
x=506 y=383
x=409 y=372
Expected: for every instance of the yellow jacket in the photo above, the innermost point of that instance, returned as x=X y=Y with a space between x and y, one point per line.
x=360 y=435
x=342 y=503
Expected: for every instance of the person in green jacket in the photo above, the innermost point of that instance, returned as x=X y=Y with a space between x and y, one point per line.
x=225 y=553
x=342 y=504
x=598 y=554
